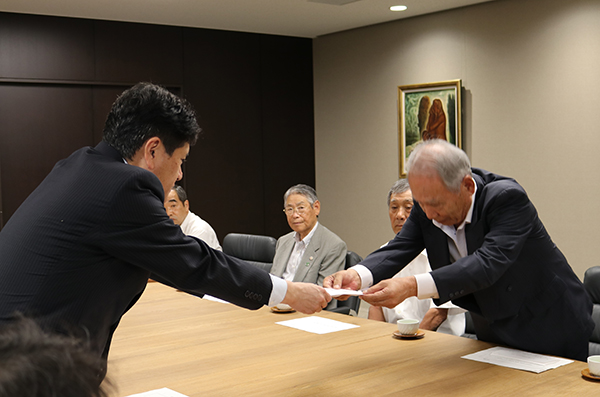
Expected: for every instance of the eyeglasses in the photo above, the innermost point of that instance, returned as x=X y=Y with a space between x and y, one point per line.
x=300 y=210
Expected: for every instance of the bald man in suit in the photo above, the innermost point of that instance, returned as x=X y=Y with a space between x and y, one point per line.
x=489 y=253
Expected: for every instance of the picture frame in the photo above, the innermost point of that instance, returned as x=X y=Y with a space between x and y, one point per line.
x=428 y=111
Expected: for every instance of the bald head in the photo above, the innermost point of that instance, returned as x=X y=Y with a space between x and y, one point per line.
x=437 y=157
x=440 y=179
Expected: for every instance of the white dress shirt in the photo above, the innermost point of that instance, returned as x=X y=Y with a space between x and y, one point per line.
x=195 y=226
x=296 y=256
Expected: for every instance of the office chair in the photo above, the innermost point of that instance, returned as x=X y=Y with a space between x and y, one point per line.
x=255 y=249
x=469 y=327
x=352 y=304
x=591 y=282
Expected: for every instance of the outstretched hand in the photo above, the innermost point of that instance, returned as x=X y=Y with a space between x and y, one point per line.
x=344 y=279
x=389 y=293
x=306 y=298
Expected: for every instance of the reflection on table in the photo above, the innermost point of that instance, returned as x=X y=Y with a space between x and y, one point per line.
x=204 y=348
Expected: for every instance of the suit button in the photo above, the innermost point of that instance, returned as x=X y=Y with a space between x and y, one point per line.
x=462 y=291
x=451 y=295
x=509 y=288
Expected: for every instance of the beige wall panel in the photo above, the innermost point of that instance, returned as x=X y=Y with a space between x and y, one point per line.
x=530 y=75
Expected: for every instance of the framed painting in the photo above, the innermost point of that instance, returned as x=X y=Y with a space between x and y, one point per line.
x=428 y=111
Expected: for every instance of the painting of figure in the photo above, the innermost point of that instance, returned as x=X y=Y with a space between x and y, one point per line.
x=436 y=124
x=428 y=111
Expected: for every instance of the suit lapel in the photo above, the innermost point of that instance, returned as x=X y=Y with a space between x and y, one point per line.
x=474 y=232
x=436 y=243
x=287 y=246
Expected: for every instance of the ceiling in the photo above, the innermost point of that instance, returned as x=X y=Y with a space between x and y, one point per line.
x=301 y=18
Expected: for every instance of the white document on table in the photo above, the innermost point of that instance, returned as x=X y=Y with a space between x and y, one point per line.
x=518 y=359
x=317 y=325
x=164 y=392
x=339 y=292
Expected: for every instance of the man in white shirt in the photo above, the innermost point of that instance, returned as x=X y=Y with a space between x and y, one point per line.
x=310 y=252
x=178 y=209
x=446 y=318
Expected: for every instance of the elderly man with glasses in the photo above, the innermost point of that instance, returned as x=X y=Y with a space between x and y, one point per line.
x=310 y=252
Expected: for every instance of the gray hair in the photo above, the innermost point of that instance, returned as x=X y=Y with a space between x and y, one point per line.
x=180 y=193
x=444 y=159
x=303 y=190
x=400 y=186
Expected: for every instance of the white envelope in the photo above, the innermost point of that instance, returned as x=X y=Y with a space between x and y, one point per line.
x=339 y=292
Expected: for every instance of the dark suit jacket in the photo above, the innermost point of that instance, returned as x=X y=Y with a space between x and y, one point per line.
x=78 y=252
x=514 y=275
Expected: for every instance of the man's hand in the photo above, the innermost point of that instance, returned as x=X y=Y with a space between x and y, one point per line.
x=307 y=298
x=434 y=318
x=391 y=292
x=344 y=279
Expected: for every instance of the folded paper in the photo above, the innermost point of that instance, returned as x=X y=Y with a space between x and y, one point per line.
x=339 y=292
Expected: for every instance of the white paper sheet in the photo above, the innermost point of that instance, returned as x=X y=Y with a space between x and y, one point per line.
x=339 y=292
x=317 y=325
x=164 y=392
x=518 y=359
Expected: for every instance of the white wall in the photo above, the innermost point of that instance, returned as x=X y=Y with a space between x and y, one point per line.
x=531 y=76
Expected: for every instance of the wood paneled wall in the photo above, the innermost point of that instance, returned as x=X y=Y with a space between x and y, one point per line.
x=253 y=94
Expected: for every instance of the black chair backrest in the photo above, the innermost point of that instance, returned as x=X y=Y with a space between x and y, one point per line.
x=352 y=258
x=469 y=327
x=255 y=249
x=591 y=282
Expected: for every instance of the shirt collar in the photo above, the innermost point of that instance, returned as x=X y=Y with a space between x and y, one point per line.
x=187 y=217
x=308 y=237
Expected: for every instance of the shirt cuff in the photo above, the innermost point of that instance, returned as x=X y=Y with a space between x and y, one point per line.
x=366 y=277
x=426 y=286
x=279 y=290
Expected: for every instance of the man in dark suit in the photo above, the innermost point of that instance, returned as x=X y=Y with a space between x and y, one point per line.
x=77 y=253
x=489 y=254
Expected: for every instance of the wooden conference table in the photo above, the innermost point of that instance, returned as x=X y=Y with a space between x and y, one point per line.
x=203 y=348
